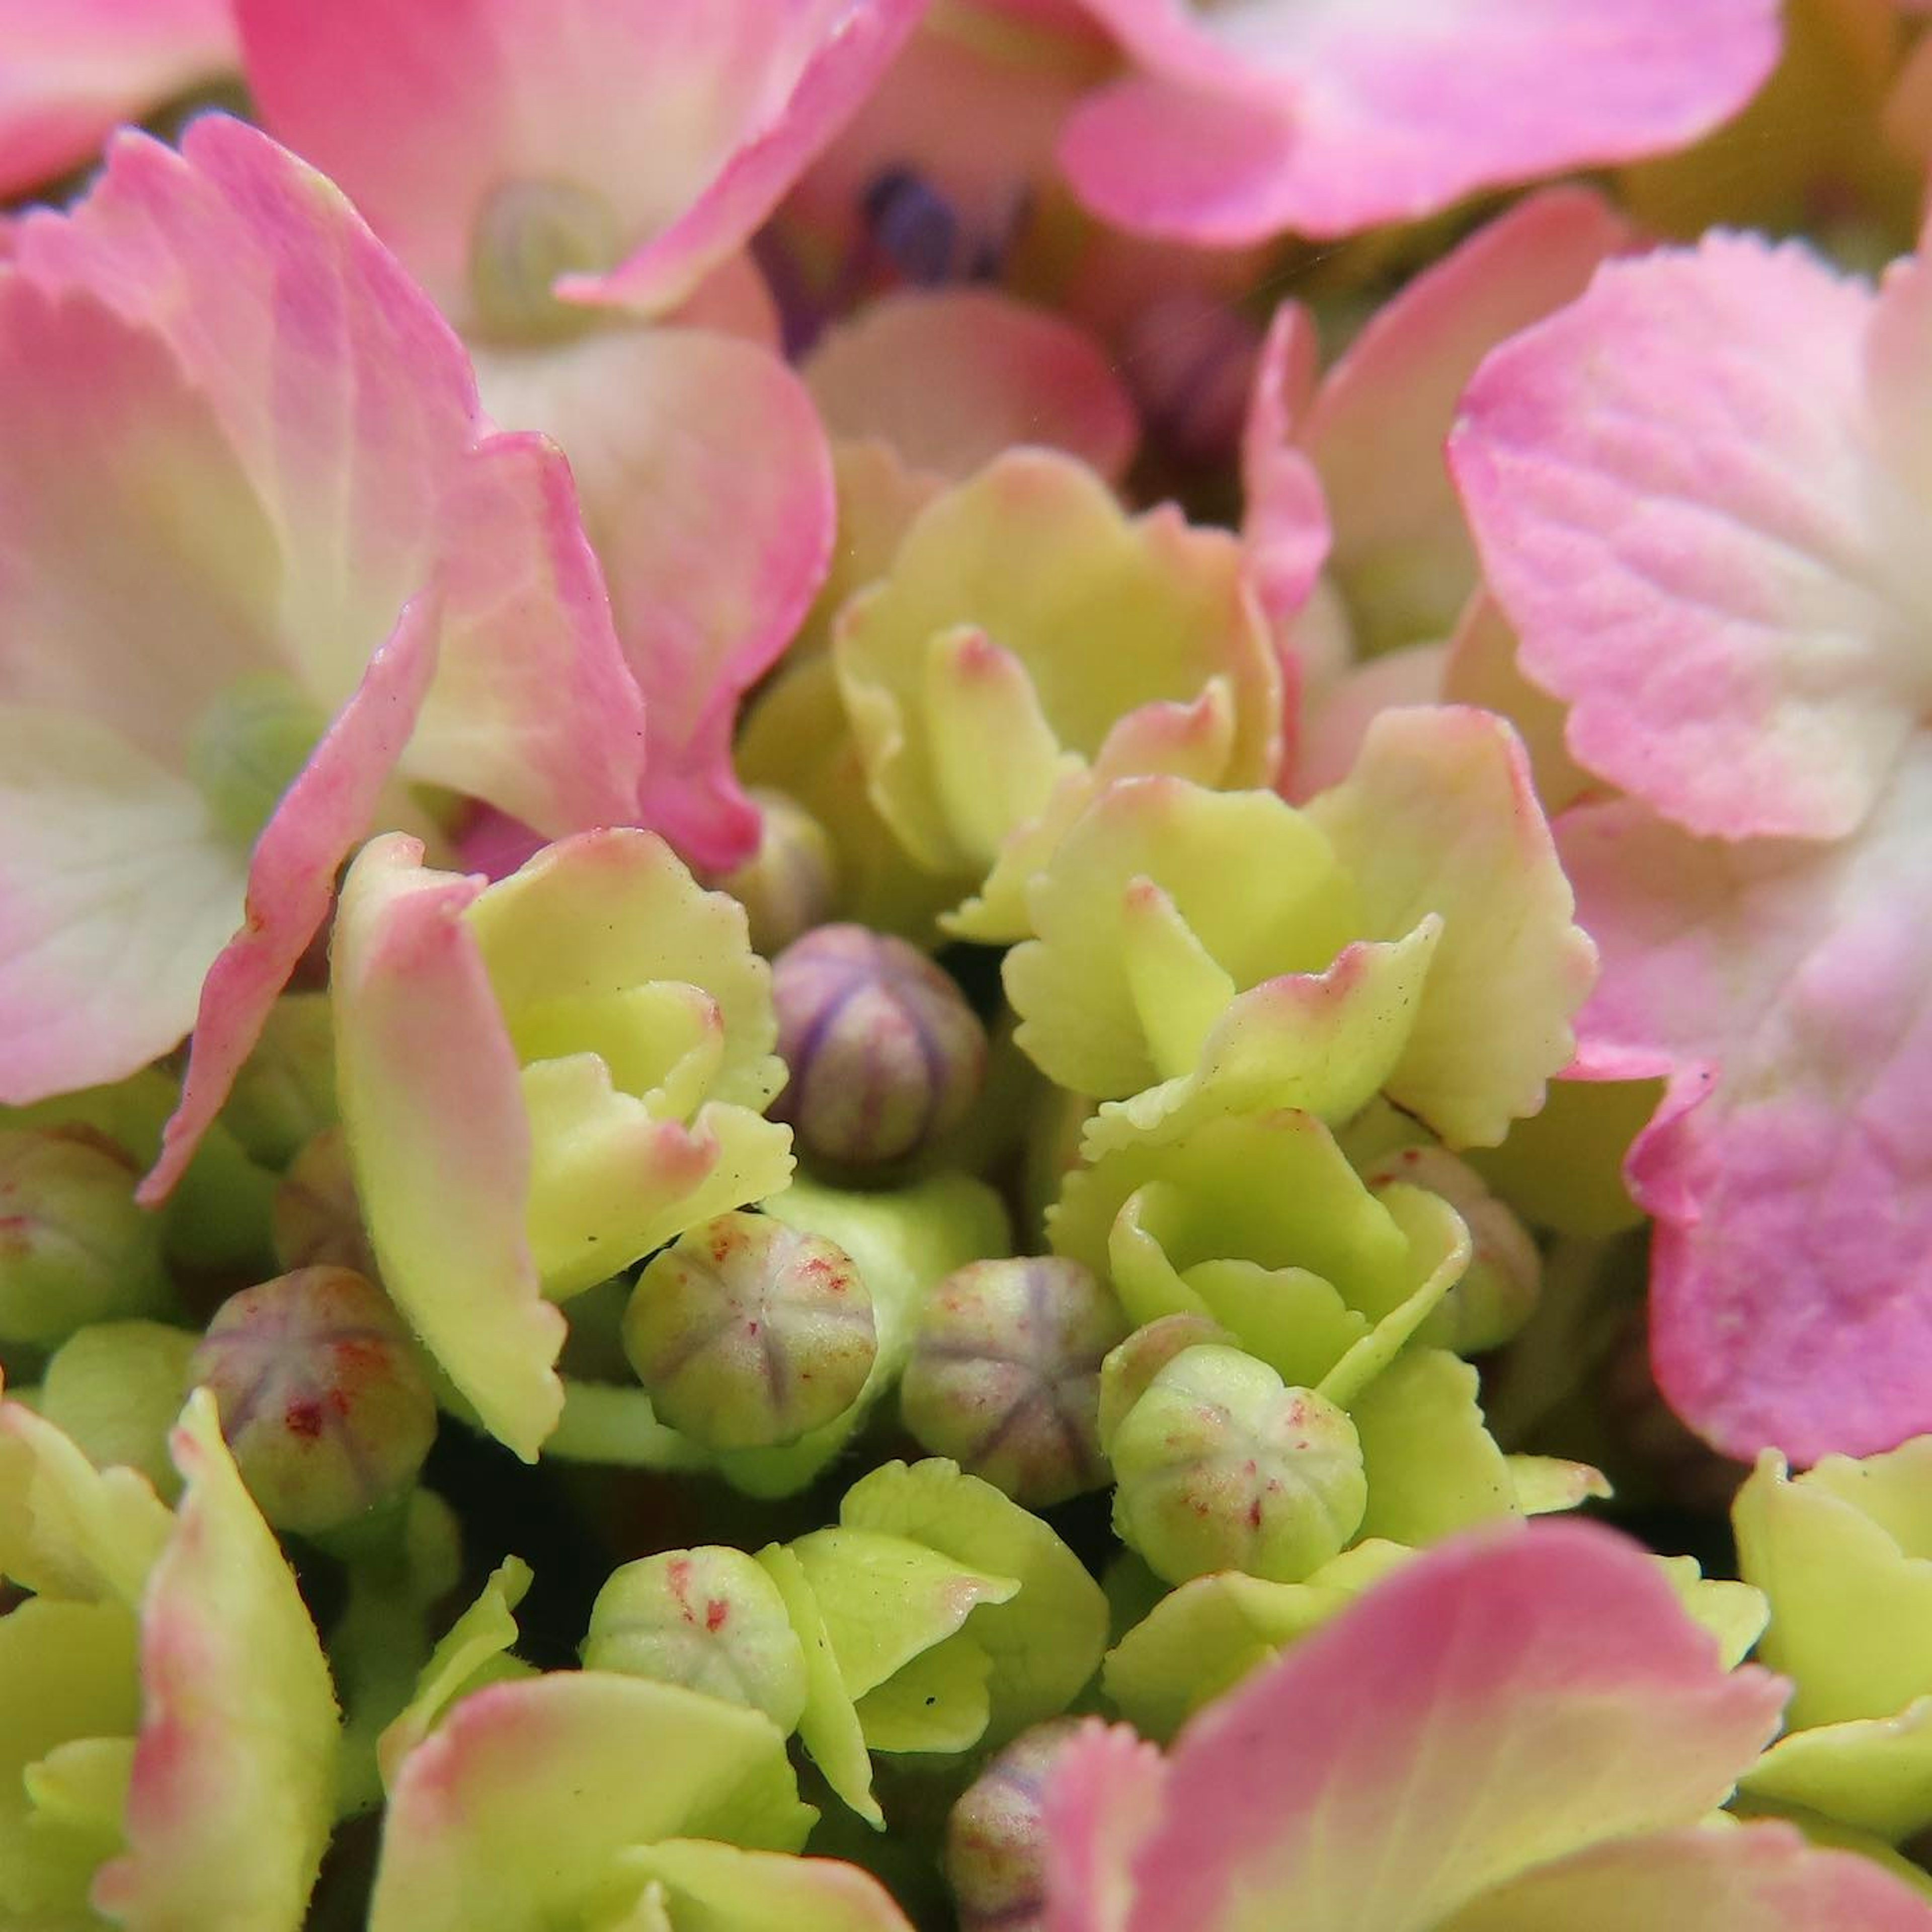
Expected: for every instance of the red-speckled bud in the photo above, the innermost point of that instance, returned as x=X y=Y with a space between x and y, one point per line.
x=786 y=886
x=995 y=1840
x=748 y=1334
x=322 y=1395
x=885 y=1054
x=1005 y=1375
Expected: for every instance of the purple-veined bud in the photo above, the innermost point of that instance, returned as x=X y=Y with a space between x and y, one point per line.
x=1005 y=1375
x=748 y=1333
x=786 y=886
x=73 y=1246
x=709 y=1618
x=323 y=1398
x=315 y=1220
x=996 y=1839
x=1499 y=1289
x=1220 y=1466
x=1125 y=1374
x=885 y=1053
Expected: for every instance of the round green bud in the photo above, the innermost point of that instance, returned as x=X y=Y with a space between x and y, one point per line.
x=285 y=1093
x=995 y=1852
x=115 y=1390
x=315 y=1220
x=885 y=1054
x=748 y=1334
x=1500 y=1288
x=1125 y=1374
x=323 y=1398
x=1220 y=1466
x=1004 y=1375
x=74 y=1248
x=786 y=886
x=248 y=746
x=708 y=1618
x=527 y=235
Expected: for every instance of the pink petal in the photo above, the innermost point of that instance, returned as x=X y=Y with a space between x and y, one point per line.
x=1104 y=1795
x=1502 y=1700
x=1673 y=486
x=70 y=74
x=1783 y=987
x=1375 y=431
x=689 y=117
x=950 y=378
x=1286 y=527
x=292 y=880
x=707 y=490
x=1764 y=1876
x=1330 y=118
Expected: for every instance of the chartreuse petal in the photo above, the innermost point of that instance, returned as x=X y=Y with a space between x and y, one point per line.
x=903 y=1241
x=69 y=1672
x=1439 y=816
x=233 y=1791
x=1162 y=887
x=1205 y=1636
x=512 y=1813
x=1851 y=1612
x=939 y=1702
x=1874 y=1773
x=709 y=1887
x=1099 y=614
x=1734 y=1613
x=1045 y=1641
x=1432 y=1467
x=471 y=1646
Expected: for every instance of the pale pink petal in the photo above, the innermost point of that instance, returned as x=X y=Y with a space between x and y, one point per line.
x=116 y=892
x=951 y=377
x=1104 y=1796
x=1338 y=715
x=1500 y=1701
x=1285 y=527
x=1326 y=116
x=431 y=1091
x=1765 y=1877
x=1674 y=488
x=1783 y=987
x=70 y=73
x=687 y=119
x=292 y=880
x=707 y=490
x=1376 y=430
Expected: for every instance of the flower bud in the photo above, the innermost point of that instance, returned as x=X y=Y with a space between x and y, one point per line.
x=1125 y=1374
x=748 y=1334
x=1221 y=1467
x=285 y=1093
x=323 y=1399
x=317 y=1220
x=249 y=744
x=786 y=886
x=1499 y=1289
x=115 y=1390
x=996 y=1839
x=1005 y=1375
x=73 y=1246
x=708 y=1618
x=528 y=233
x=885 y=1054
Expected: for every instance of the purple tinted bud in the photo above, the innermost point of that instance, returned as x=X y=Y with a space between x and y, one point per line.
x=914 y=226
x=748 y=1334
x=315 y=1220
x=323 y=1397
x=885 y=1054
x=1005 y=1375
x=995 y=1838
x=786 y=886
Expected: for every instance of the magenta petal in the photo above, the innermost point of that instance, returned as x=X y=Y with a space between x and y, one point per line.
x=1783 y=987
x=292 y=880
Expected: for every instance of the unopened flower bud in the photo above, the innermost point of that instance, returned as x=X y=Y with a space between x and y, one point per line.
x=748 y=1334
x=1005 y=1375
x=249 y=744
x=73 y=1246
x=527 y=235
x=885 y=1054
x=1221 y=1467
x=708 y=1618
x=115 y=1390
x=316 y=1218
x=323 y=1399
x=996 y=1837
x=285 y=1093
x=1499 y=1290
x=1125 y=1374
x=786 y=886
